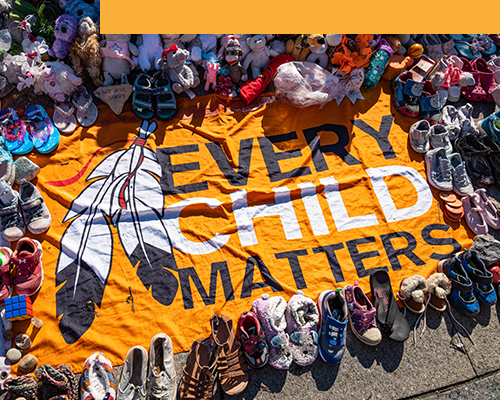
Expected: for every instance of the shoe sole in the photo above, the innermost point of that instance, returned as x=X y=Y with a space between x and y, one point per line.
x=320 y=309
x=39 y=245
x=367 y=342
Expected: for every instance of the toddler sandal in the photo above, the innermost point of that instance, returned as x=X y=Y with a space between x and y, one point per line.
x=166 y=106
x=86 y=109
x=63 y=117
x=142 y=97
x=489 y=47
x=45 y=135
x=14 y=131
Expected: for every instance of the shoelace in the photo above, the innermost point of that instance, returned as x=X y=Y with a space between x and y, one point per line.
x=33 y=212
x=462 y=178
x=444 y=169
x=9 y=220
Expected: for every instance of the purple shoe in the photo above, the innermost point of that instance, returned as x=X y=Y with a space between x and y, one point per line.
x=271 y=313
x=302 y=319
x=362 y=315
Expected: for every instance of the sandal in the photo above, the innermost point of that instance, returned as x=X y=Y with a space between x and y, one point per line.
x=142 y=97
x=14 y=131
x=45 y=135
x=198 y=379
x=231 y=366
x=468 y=50
x=166 y=107
x=86 y=109
x=389 y=317
x=473 y=92
x=63 y=117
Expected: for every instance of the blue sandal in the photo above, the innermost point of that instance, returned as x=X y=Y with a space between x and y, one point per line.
x=17 y=140
x=142 y=98
x=45 y=135
x=166 y=107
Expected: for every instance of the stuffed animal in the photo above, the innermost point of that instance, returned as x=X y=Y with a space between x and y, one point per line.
x=231 y=73
x=65 y=30
x=210 y=75
x=180 y=40
x=277 y=47
x=173 y=63
x=116 y=62
x=318 y=55
x=259 y=56
x=150 y=49
x=84 y=54
x=84 y=8
x=57 y=80
x=204 y=47
x=333 y=39
x=300 y=47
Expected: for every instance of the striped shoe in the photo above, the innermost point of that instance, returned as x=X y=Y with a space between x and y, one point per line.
x=98 y=379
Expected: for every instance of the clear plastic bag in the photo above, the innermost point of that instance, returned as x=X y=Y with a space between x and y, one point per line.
x=304 y=84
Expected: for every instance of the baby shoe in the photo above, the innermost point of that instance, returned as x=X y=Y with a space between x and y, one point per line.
x=438 y=137
x=494 y=64
x=333 y=312
x=406 y=94
x=302 y=319
x=493 y=156
x=27 y=260
x=12 y=224
x=132 y=384
x=253 y=339
x=486 y=77
x=466 y=119
x=475 y=154
x=161 y=379
x=60 y=380
x=490 y=212
x=430 y=104
x=474 y=214
x=17 y=139
x=433 y=48
x=490 y=126
x=438 y=168
x=25 y=169
x=462 y=184
x=412 y=291
x=362 y=315
x=271 y=313
x=419 y=136
x=451 y=121
x=36 y=214
x=439 y=288
x=482 y=279
x=448 y=45
x=5 y=269
x=473 y=92
x=98 y=379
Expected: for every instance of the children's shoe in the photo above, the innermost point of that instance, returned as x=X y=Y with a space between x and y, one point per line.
x=430 y=104
x=491 y=126
x=406 y=94
x=45 y=135
x=438 y=167
x=474 y=153
x=27 y=259
x=438 y=137
x=5 y=268
x=253 y=338
x=419 y=136
x=439 y=288
x=25 y=169
x=489 y=210
x=98 y=379
x=362 y=315
x=161 y=379
x=462 y=184
x=302 y=319
x=17 y=139
x=132 y=384
x=333 y=312
x=412 y=291
x=486 y=76
x=11 y=220
x=452 y=122
x=36 y=214
x=474 y=216
x=482 y=279
x=462 y=293
x=473 y=92
x=271 y=313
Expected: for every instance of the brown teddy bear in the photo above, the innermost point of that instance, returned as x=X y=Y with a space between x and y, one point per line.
x=299 y=47
x=84 y=52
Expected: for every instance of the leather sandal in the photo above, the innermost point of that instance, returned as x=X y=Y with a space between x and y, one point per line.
x=231 y=365
x=198 y=379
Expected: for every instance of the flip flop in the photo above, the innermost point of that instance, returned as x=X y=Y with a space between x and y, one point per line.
x=63 y=117
x=86 y=109
x=142 y=97
x=17 y=139
x=389 y=317
x=166 y=107
x=467 y=50
x=45 y=135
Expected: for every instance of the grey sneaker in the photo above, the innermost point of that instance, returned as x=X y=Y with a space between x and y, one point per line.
x=419 y=136
x=36 y=214
x=461 y=181
x=451 y=121
x=161 y=379
x=438 y=166
x=132 y=384
x=11 y=220
x=439 y=137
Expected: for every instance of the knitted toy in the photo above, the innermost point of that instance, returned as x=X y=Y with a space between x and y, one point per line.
x=65 y=30
x=259 y=56
x=173 y=63
x=150 y=50
x=116 y=62
x=83 y=8
x=84 y=52
x=57 y=80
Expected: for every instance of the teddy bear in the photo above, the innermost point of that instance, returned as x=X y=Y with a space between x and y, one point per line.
x=84 y=52
x=84 y=8
x=57 y=80
x=259 y=55
x=173 y=64
x=150 y=48
x=65 y=30
x=300 y=47
x=116 y=62
x=318 y=55
x=203 y=48
x=180 y=40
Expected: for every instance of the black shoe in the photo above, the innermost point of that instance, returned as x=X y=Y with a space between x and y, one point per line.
x=494 y=157
x=475 y=154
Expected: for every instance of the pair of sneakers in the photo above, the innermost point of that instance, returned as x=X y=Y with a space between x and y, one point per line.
x=471 y=282
x=22 y=210
x=423 y=136
x=26 y=262
x=152 y=376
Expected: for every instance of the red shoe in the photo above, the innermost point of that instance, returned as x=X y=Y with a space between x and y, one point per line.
x=28 y=262
x=6 y=283
x=486 y=76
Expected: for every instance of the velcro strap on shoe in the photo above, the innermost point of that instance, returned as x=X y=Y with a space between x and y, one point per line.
x=142 y=90
x=482 y=280
x=461 y=287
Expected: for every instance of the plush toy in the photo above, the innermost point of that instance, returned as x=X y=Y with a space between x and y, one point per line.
x=84 y=54
x=65 y=30
x=333 y=39
x=173 y=63
x=318 y=55
x=300 y=47
x=116 y=62
x=210 y=75
x=57 y=80
x=231 y=72
x=84 y=8
x=180 y=40
x=204 y=47
x=277 y=47
x=150 y=49
x=259 y=56
x=242 y=39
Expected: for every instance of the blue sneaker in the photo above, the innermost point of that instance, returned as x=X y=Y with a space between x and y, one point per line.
x=462 y=292
x=491 y=126
x=333 y=310
x=482 y=279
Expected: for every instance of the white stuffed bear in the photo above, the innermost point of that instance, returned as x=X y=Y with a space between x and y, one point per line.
x=318 y=55
x=334 y=40
x=150 y=49
x=259 y=56
x=203 y=48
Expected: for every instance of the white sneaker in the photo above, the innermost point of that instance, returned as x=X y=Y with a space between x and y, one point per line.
x=419 y=136
x=161 y=379
x=466 y=121
x=461 y=181
x=451 y=121
x=438 y=167
x=132 y=384
x=439 y=137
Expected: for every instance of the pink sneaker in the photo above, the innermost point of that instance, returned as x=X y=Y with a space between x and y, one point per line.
x=6 y=283
x=28 y=262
